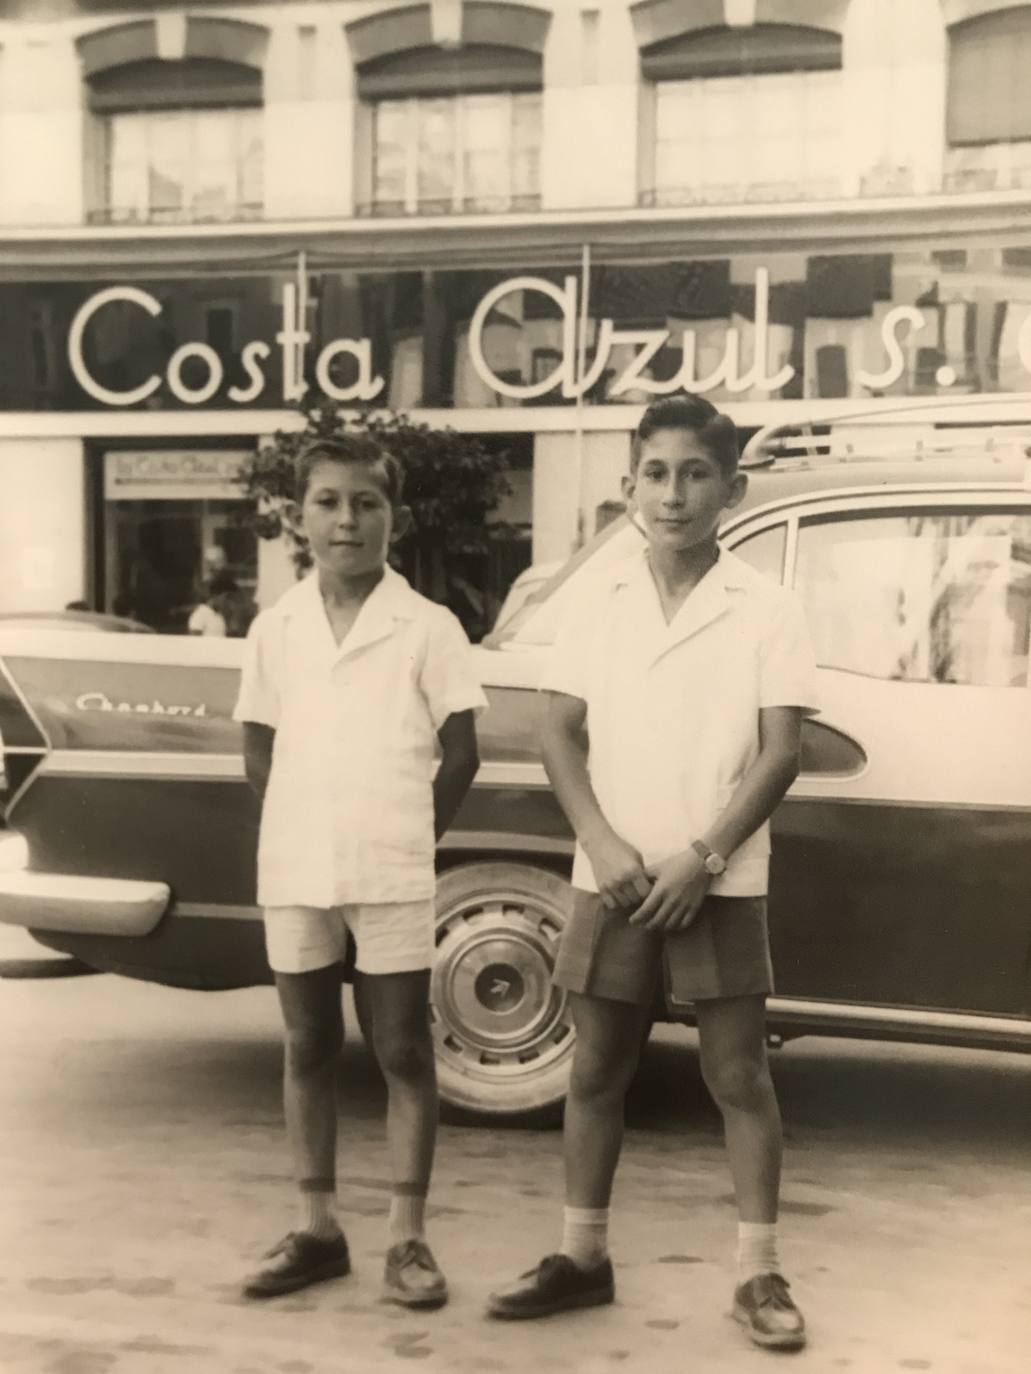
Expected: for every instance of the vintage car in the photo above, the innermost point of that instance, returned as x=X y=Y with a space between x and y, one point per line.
x=901 y=881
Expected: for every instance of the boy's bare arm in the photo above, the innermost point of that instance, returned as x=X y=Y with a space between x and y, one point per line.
x=618 y=867
x=681 y=882
x=458 y=764
x=257 y=755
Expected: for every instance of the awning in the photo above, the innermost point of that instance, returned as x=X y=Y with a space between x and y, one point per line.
x=525 y=240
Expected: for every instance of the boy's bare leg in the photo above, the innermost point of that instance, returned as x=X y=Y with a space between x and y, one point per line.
x=608 y=1043
x=399 y=1007
x=732 y=1041
x=314 y=1036
x=398 y=1004
x=314 y=1033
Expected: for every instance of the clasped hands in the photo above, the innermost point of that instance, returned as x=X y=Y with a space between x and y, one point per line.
x=661 y=897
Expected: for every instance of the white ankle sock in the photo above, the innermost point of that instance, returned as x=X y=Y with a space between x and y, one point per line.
x=756 y=1249
x=585 y=1235
x=407 y=1217
x=317 y=1208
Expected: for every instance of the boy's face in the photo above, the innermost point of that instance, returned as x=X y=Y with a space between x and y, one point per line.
x=348 y=518
x=680 y=491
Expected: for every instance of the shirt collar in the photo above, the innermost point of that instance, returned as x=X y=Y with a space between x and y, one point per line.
x=728 y=571
x=390 y=601
x=709 y=600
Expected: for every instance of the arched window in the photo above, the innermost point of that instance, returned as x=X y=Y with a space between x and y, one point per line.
x=743 y=114
x=174 y=140
x=455 y=128
x=989 y=101
x=989 y=93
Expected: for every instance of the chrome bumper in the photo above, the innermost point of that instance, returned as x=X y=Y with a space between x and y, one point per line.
x=82 y=906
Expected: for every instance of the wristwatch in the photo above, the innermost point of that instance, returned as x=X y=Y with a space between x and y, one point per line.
x=714 y=863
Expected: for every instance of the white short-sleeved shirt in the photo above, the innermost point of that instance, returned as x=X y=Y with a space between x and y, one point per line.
x=348 y=814
x=673 y=710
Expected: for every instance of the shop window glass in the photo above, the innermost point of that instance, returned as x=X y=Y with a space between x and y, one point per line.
x=184 y=165
x=456 y=152
x=920 y=596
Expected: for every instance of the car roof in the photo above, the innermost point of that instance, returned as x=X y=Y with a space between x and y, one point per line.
x=817 y=475
x=788 y=479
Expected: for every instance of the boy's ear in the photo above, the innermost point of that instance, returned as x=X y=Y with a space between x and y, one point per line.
x=402 y=523
x=736 y=488
x=290 y=514
x=628 y=486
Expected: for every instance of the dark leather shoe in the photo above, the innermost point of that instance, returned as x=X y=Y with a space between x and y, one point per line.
x=764 y=1308
x=297 y=1261
x=556 y=1285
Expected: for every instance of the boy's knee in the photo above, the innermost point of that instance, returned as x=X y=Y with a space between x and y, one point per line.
x=311 y=1045
x=741 y=1084
x=405 y=1055
x=596 y=1077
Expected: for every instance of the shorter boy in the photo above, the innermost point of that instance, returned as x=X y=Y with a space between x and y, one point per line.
x=349 y=683
x=676 y=691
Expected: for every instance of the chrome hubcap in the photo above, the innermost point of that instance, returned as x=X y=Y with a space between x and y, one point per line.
x=494 y=1008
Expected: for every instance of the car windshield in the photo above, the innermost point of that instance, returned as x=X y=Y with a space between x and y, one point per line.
x=537 y=619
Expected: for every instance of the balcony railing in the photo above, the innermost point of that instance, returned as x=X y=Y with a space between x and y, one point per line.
x=443 y=205
x=962 y=174
x=114 y=215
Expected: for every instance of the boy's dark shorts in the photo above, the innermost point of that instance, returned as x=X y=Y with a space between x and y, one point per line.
x=724 y=952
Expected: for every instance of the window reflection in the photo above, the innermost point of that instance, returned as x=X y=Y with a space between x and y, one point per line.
x=188 y=164
x=929 y=596
x=457 y=152
x=748 y=137
x=823 y=323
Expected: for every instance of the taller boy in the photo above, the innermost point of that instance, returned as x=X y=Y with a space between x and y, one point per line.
x=349 y=682
x=685 y=675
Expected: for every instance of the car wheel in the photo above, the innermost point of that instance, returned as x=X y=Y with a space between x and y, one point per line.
x=503 y=1035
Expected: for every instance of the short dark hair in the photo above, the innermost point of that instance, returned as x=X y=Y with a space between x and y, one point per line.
x=688 y=411
x=349 y=448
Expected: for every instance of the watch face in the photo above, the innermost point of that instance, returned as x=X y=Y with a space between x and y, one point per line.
x=715 y=864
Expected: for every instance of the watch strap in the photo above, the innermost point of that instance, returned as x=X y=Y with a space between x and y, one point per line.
x=707 y=855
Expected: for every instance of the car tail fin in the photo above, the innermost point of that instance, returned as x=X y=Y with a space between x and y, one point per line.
x=23 y=744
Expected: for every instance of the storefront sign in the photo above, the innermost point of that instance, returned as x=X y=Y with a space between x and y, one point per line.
x=173 y=475
x=572 y=377
x=291 y=339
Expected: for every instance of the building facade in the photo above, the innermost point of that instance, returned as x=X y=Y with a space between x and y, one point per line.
x=523 y=220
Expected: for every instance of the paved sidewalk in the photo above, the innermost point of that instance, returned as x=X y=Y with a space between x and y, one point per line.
x=145 y=1167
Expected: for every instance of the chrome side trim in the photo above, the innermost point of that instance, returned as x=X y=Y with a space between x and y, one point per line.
x=930 y=1019
x=19 y=792
x=81 y=906
x=217 y=911
x=130 y=764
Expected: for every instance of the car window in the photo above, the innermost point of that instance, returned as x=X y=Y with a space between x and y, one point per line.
x=921 y=595
x=764 y=551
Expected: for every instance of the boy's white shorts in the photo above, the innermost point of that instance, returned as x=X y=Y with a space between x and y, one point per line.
x=389 y=937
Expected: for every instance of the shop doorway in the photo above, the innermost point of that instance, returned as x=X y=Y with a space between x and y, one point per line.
x=173 y=522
